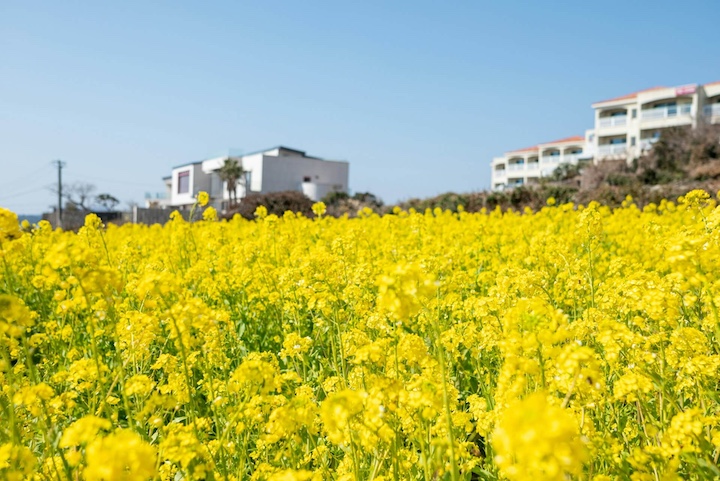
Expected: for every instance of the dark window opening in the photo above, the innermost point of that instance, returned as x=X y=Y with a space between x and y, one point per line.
x=184 y=182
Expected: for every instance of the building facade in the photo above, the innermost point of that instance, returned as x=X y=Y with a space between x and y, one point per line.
x=273 y=170
x=625 y=127
x=526 y=166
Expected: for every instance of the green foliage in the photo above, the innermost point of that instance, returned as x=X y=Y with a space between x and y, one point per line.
x=565 y=172
x=335 y=198
x=276 y=203
x=231 y=173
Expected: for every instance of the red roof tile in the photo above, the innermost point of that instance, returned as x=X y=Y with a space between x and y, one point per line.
x=574 y=138
x=534 y=147
x=630 y=96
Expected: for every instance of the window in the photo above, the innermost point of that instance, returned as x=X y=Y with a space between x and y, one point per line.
x=184 y=182
x=619 y=140
x=307 y=178
x=632 y=141
x=634 y=113
x=591 y=137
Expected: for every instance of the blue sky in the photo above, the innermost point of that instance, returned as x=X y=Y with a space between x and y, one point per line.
x=418 y=96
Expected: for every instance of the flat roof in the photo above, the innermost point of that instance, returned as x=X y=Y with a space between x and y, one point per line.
x=277 y=147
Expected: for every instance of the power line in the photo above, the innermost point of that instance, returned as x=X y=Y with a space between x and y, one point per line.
x=24 y=177
x=96 y=179
x=20 y=194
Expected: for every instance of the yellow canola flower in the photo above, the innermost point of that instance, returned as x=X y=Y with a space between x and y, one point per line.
x=537 y=440
x=15 y=317
x=203 y=198
x=210 y=214
x=16 y=462
x=83 y=431
x=568 y=343
x=9 y=225
x=319 y=208
x=120 y=456
x=403 y=290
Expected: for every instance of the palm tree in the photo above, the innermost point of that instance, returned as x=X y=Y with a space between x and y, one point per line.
x=231 y=172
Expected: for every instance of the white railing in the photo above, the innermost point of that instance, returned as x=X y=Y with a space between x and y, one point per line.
x=532 y=165
x=611 y=149
x=561 y=159
x=613 y=121
x=666 y=112
x=571 y=158
x=712 y=110
x=516 y=166
x=646 y=144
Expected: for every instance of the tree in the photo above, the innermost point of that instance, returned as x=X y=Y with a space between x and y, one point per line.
x=78 y=195
x=231 y=173
x=565 y=172
x=107 y=201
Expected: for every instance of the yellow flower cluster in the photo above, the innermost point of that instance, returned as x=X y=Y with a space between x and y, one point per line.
x=576 y=342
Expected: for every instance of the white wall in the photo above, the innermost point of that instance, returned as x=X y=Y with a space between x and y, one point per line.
x=198 y=181
x=271 y=171
x=289 y=173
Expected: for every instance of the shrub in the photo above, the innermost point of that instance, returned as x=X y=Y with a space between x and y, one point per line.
x=276 y=203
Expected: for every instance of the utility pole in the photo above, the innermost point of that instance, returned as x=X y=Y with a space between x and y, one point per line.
x=60 y=164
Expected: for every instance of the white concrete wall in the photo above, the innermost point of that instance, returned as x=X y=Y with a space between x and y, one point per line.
x=275 y=170
x=290 y=172
x=198 y=181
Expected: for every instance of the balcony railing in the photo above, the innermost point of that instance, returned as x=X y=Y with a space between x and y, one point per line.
x=560 y=159
x=613 y=121
x=611 y=149
x=516 y=167
x=571 y=158
x=669 y=111
x=533 y=166
x=712 y=110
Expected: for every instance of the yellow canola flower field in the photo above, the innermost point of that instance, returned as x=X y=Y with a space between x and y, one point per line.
x=577 y=342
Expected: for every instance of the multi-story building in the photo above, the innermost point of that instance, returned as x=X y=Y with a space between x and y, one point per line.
x=625 y=128
x=273 y=170
x=526 y=166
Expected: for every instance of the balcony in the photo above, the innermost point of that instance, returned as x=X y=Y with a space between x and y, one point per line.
x=550 y=159
x=613 y=121
x=516 y=167
x=612 y=149
x=571 y=158
x=712 y=110
x=667 y=112
x=533 y=166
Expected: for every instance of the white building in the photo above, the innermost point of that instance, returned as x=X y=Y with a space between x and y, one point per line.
x=625 y=127
x=526 y=166
x=273 y=170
